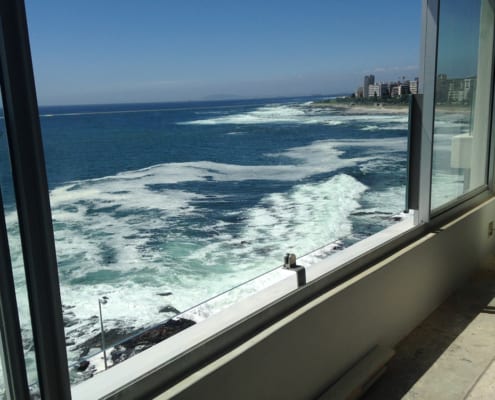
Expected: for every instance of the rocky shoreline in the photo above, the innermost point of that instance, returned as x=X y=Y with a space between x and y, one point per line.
x=375 y=108
x=384 y=108
x=121 y=348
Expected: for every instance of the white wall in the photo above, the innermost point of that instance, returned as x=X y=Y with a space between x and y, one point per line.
x=301 y=355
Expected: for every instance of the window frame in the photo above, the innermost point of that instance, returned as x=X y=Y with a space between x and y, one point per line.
x=38 y=243
x=33 y=205
x=430 y=62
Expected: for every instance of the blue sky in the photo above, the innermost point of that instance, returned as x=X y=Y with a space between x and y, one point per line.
x=458 y=38
x=110 y=51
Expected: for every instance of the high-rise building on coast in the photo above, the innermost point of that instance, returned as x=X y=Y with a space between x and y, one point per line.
x=391 y=89
x=404 y=89
x=368 y=80
x=454 y=90
x=413 y=86
x=378 y=90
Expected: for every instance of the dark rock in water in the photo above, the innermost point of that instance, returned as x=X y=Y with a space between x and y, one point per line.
x=94 y=318
x=112 y=336
x=69 y=317
x=169 y=309
x=81 y=371
x=68 y=322
x=120 y=353
x=165 y=294
x=134 y=345
x=396 y=218
x=82 y=365
x=148 y=338
x=158 y=333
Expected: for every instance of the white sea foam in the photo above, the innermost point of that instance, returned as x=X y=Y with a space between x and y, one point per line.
x=133 y=189
x=129 y=229
x=291 y=221
x=280 y=223
x=370 y=128
x=379 y=146
x=296 y=114
x=397 y=127
x=330 y=123
x=387 y=202
x=270 y=114
x=452 y=122
x=123 y=226
x=227 y=299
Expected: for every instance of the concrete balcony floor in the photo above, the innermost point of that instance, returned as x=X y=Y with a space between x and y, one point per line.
x=451 y=355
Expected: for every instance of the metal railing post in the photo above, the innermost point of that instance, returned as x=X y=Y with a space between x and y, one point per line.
x=101 y=301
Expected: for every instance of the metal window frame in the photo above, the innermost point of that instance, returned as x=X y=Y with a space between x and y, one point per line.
x=32 y=199
x=428 y=59
x=464 y=201
x=12 y=352
x=23 y=129
x=491 y=145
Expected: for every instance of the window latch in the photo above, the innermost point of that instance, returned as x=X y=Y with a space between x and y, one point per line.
x=291 y=264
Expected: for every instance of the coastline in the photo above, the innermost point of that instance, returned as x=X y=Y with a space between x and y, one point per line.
x=381 y=108
x=378 y=108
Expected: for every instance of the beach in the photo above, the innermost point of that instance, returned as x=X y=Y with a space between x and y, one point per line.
x=383 y=108
x=378 y=108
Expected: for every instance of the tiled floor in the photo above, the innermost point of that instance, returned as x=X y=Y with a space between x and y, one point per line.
x=451 y=355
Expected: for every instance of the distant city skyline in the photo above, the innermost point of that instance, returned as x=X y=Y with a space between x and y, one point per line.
x=119 y=52
x=382 y=89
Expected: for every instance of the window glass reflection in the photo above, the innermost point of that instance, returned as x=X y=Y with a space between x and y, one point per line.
x=463 y=89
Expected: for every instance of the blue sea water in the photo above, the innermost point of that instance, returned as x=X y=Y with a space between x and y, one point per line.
x=160 y=207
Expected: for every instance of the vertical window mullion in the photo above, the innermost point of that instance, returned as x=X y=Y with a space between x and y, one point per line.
x=31 y=192
x=491 y=139
x=427 y=80
x=16 y=384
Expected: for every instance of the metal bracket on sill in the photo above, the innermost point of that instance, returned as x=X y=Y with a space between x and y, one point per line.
x=290 y=264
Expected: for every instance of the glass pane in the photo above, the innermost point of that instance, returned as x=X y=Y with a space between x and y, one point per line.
x=463 y=90
x=211 y=162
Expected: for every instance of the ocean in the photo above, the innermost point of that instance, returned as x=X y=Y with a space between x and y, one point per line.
x=160 y=207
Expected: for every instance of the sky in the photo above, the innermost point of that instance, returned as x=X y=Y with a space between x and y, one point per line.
x=109 y=51
x=458 y=38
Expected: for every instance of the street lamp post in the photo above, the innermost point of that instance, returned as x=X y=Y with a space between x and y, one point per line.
x=101 y=301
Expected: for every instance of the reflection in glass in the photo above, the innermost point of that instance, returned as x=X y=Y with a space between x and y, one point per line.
x=462 y=110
